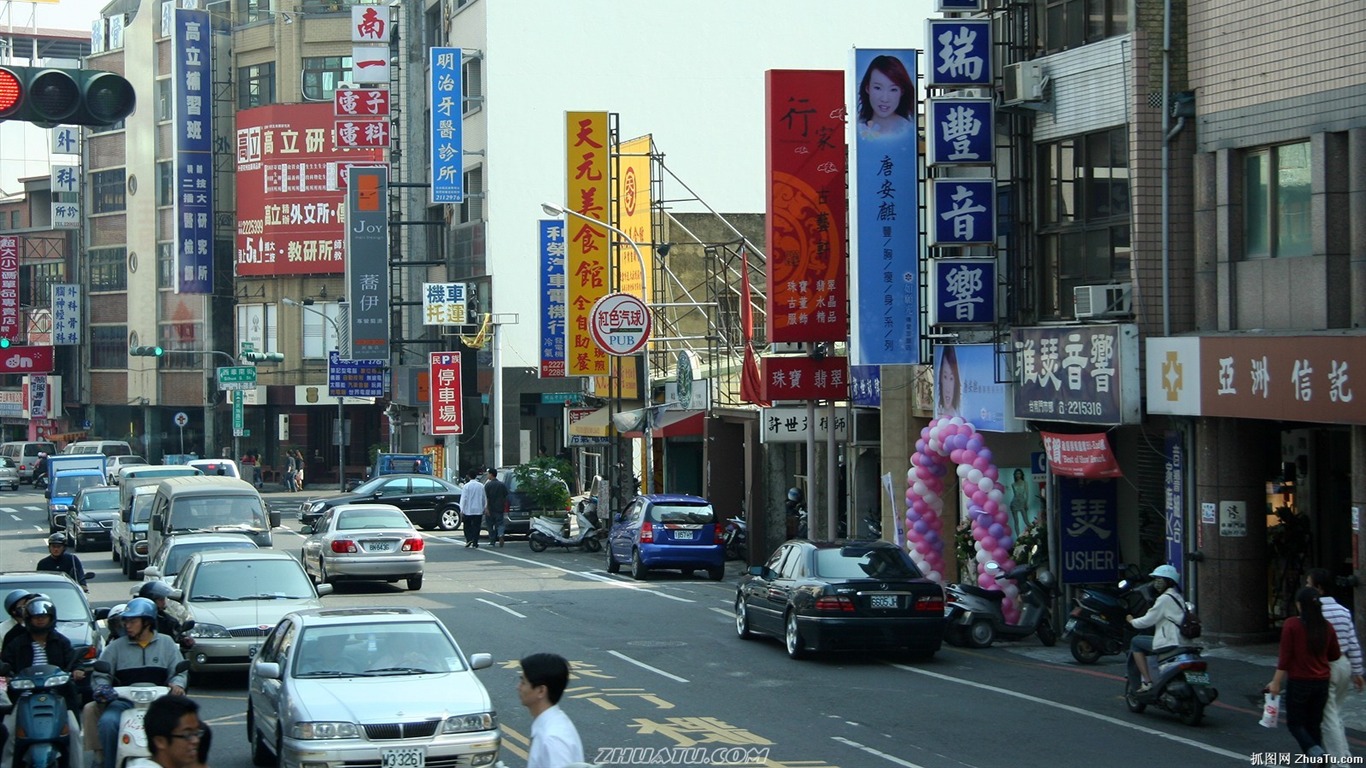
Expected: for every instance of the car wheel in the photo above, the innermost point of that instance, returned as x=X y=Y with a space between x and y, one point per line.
x=638 y=570
x=612 y=565
x=449 y=519
x=717 y=573
x=742 y=619
x=792 y=638
x=414 y=583
x=322 y=571
x=260 y=755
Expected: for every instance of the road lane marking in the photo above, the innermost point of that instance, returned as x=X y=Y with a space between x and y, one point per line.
x=514 y=742
x=889 y=758
x=501 y=607
x=730 y=614
x=1075 y=711
x=594 y=577
x=643 y=665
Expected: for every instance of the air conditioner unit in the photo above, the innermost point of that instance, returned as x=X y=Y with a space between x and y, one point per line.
x=867 y=427
x=1102 y=300
x=1024 y=82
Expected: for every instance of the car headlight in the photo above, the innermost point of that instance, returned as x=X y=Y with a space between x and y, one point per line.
x=139 y=535
x=325 y=731
x=206 y=630
x=483 y=721
x=60 y=507
x=317 y=506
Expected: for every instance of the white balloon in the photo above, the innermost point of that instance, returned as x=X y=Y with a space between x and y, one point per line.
x=963 y=470
x=936 y=576
x=982 y=555
x=974 y=474
x=986 y=484
x=919 y=489
x=996 y=495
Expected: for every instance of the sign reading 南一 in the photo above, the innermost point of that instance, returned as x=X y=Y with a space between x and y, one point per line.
x=447 y=410
x=1088 y=515
x=1081 y=374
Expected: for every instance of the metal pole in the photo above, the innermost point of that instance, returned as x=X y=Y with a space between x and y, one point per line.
x=341 y=440
x=496 y=395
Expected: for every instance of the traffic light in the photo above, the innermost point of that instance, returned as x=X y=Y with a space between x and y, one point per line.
x=146 y=351
x=263 y=357
x=48 y=96
x=4 y=343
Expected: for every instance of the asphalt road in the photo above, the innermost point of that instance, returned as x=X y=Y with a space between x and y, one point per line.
x=661 y=678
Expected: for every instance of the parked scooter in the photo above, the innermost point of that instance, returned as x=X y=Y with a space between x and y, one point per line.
x=1181 y=684
x=132 y=735
x=1096 y=627
x=973 y=615
x=549 y=533
x=736 y=535
x=41 y=735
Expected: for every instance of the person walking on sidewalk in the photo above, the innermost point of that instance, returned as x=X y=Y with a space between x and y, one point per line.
x=473 y=504
x=1347 y=669
x=1308 y=645
x=496 y=495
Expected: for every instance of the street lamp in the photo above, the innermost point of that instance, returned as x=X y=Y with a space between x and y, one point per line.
x=552 y=209
x=307 y=306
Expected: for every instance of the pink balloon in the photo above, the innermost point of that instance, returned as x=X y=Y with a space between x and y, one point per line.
x=988 y=543
x=1000 y=555
x=985 y=582
x=991 y=471
x=991 y=507
x=983 y=465
x=979 y=498
x=956 y=456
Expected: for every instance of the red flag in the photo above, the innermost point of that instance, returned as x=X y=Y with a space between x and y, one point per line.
x=746 y=311
x=751 y=381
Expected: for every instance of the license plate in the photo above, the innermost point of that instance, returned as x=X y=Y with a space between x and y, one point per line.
x=884 y=601
x=1071 y=625
x=379 y=546
x=1201 y=678
x=412 y=757
x=683 y=535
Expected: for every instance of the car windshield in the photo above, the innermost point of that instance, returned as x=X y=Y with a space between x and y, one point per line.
x=70 y=486
x=142 y=507
x=100 y=499
x=67 y=598
x=205 y=512
x=249 y=580
x=378 y=649
x=856 y=563
x=176 y=557
x=682 y=513
x=361 y=519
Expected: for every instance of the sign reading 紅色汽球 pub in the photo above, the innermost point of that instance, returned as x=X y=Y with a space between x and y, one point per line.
x=1080 y=374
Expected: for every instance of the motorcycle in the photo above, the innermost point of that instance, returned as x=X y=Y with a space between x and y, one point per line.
x=547 y=533
x=736 y=535
x=1096 y=626
x=973 y=615
x=1181 y=684
x=132 y=735
x=41 y=735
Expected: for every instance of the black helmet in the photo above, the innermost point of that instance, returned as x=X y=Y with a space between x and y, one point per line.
x=154 y=590
x=57 y=540
x=40 y=606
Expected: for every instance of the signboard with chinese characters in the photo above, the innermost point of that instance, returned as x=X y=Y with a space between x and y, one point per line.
x=959 y=53
x=962 y=292
x=369 y=64
x=962 y=212
x=66 y=140
x=805 y=207
x=447 y=408
x=367 y=262
x=799 y=377
x=1081 y=374
x=66 y=215
x=9 y=287
x=884 y=219
x=350 y=134
x=1174 y=499
x=1083 y=456
x=192 y=114
x=354 y=378
x=66 y=179
x=620 y=324
x=291 y=190
x=371 y=24
x=1233 y=519
x=552 y=298
x=445 y=102
x=1259 y=376
x=360 y=102
x=865 y=387
x=588 y=251
x=791 y=425
x=961 y=132
x=66 y=314
x=444 y=304
x=634 y=212
x=1088 y=517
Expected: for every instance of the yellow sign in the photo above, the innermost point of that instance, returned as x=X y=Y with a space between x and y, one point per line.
x=587 y=245
x=634 y=207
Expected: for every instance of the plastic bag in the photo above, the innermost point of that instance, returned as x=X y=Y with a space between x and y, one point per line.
x=1271 y=711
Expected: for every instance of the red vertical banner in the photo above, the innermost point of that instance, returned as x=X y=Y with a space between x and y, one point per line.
x=587 y=248
x=9 y=288
x=443 y=371
x=807 y=199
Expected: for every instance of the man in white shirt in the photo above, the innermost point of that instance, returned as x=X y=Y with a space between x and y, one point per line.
x=554 y=740
x=1346 y=669
x=473 y=503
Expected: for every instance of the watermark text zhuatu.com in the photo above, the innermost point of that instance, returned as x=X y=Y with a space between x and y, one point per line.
x=681 y=756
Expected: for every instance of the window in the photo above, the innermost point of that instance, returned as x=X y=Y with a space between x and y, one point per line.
x=108 y=269
x=249 y=11
x=322 y=75
x=472 y=80
x=1072 y=23
x=109 y=346
x=165 y=183
x=1084 y=216
x=107 y=191
x=256 y=324
x=255 y=85
x=320 y=334
x=13 y=219
x=36 y=281
x=472 y=209
x=1276 y=202
x=164 y=99
x=184 y=336
x=165 y=266
x=325 y=6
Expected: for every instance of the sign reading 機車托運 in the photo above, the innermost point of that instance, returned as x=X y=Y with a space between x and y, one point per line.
x=192 y=114
x=1083 y=374
x=1088 y=517
x=446 y=104
x=588 y=251
x=962 y=291
x=959 y=53
x=444 y=304
x=66 y=314
x=552 y=297
x=367 y=262
x=791 y=424
x=447 y=407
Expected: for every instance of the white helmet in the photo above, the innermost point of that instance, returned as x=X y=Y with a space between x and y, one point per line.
x=1166 y=572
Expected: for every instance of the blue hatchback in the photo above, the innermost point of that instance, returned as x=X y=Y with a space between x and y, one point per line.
x=667 y=531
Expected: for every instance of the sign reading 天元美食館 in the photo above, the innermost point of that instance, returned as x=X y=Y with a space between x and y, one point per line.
x=367 y=262
x=588 y=260
x=1082 y=374
x=192 y=114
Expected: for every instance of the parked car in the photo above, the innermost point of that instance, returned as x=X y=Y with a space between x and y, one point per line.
x=115 y=463
x=428 y=502
x=223 y=467
x=75 y=619
x=9 y=473
x=821 y=595
x=520 y=508
x=364 y=542
x=24 y=454
x=234 y=598
x=90 y=523
x=667 y=531
x=166 y=562
x=129 y=545
x=339 y=687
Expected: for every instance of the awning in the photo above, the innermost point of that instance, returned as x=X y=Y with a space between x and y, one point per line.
x=599 y=422
x=67 y=437
x=674 y=424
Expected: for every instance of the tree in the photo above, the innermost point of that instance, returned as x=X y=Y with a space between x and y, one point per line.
x=545 y=483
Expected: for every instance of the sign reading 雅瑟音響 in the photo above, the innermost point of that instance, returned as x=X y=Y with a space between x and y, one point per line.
x=1080 y=374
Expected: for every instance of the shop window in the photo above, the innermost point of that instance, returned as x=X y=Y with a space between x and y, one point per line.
x=320 y=334
x=109 y=346
x=1068 y=24
x=1276 y=202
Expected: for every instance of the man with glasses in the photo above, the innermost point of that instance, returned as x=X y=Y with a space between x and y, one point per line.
x=174 y=734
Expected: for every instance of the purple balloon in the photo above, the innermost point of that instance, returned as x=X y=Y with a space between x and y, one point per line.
x=921 y=527
x=985 y=453
x=933 y=538
x=975 y=444
x=996 y=530
x=1006 y=542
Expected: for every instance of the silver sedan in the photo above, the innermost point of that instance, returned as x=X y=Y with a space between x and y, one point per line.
x=374 y=542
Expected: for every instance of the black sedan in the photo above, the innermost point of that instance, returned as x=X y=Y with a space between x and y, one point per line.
x=818 y=595
x=427 y=501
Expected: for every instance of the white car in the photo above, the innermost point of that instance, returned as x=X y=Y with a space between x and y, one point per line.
x=219 y=467
x=113 y=464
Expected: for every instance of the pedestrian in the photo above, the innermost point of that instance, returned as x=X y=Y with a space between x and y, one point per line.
x=299 y=469
x=472 y=506
x=1165 y=616
x=496 y=496
x=555 y=741
x=291 y=466
x=58 y=559
x=1347 y=668
x=175 y=734
x=1308 y=646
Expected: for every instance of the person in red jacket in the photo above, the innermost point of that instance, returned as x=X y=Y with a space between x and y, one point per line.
x=1308 y=644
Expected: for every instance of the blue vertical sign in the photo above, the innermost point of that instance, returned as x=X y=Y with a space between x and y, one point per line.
x=553 y=309
x=959 y=52
x=192 y=116
x=884 y=226
x=962 y=291
x=962 y=212
x=1088 y=517
x=1174 y=493
x=865 y=385
x=961 y=132
x=447 y=139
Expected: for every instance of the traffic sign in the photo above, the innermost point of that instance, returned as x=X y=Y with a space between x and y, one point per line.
x=236 y=377
x=238 y=417
x=181 y=419
x=620 y=324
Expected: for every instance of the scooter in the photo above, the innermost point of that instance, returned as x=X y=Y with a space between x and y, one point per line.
x=1181 y=684
x=132 y=735
x=737 y=533
x=547 y=533
x=41 y=737
x=973 y=615
x=1096 y=626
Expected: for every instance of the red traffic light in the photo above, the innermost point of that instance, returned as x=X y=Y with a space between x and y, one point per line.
x=11 y=93
x=49 y=96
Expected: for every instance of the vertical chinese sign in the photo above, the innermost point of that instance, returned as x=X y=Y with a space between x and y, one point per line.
x=552 y=298
x=806 y=161
x=587 y=250
x=366 y=122
x=448 y=164
x=192 y=115
x=885 y=216
x=66 y=314
x=367 y=262
x=371 y=27
x=9 y=288
x=443 y=372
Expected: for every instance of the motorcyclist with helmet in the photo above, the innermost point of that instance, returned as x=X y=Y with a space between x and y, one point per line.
x=40 y=468
x=159 y=592
x=142 y=655
x=13 y=626
x=794 y=507
x=22 y=652
x=1165 y=615
x=90 y=716
x=62 y=561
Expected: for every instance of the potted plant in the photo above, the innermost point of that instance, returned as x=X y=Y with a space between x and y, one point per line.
x=544 y=484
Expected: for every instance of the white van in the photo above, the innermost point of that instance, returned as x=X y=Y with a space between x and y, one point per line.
x=24 y=454
x=208 y=504
x=106 y=447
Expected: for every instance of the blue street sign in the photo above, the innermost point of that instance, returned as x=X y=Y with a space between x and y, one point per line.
x=354 y=378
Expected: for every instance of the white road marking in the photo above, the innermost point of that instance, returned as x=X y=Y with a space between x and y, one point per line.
x=889 y=758
x=643 y=665
x=501 y=607
x=728 y=614
x=594 y=577
x=1077 y=711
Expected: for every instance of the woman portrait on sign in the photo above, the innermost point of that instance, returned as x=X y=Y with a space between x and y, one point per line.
x=949 y=397
x=886 y=96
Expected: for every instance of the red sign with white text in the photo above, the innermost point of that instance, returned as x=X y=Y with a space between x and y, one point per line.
x=806 y=158
x=804 y=378
x=362 y=133
x=443 y=373
x=360 y=102
x=26 y=360
x=9 y=288
x=291 y=190
x=1086 y=456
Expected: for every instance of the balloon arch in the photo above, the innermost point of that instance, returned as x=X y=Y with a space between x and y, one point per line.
x=952 y=440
